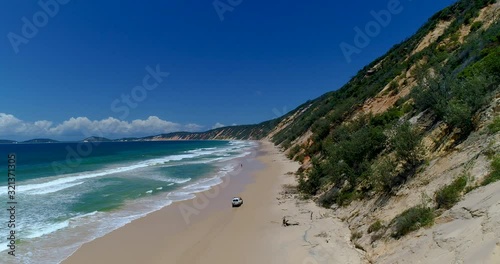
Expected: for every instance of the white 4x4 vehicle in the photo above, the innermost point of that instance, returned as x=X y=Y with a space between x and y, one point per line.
x=237 y=201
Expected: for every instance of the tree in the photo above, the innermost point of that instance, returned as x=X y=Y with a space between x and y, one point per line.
x=459 y=114
x=405 y=141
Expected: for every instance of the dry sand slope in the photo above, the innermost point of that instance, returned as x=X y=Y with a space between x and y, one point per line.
x=468 y=233
x=320 y=237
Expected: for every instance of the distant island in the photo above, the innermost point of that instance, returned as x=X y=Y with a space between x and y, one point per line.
x=40 y=140
x=97 y=139
x=6 y=141
x=241 y=132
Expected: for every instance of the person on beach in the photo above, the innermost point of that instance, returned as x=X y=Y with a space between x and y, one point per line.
x=285 y=222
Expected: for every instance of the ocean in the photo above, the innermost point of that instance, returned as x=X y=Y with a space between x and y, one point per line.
x=71 y=193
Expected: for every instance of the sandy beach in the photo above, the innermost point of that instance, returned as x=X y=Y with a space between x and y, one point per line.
x=208 y=230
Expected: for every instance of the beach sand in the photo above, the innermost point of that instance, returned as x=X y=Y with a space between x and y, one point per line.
x=208 y=230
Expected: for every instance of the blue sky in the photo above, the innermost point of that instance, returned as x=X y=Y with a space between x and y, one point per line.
x=264 y=58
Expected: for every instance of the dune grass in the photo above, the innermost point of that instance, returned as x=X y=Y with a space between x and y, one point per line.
x=411 y=220
x=449 y=195
x=495 y=171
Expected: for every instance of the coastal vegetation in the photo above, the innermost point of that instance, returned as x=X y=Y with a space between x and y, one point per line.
x=449 y=195
x=411 y=220
x=495 y=171
x=356 y=154
x=495 y=126
x=375 y=134
x=370 y=138
x=375 y=227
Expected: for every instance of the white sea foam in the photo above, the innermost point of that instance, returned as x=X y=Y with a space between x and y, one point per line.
x=53 y=188
x=97 y=224
x=188 y=192
x=149 y=192
x=176 y=180
x=233 y=146
x=203 y=151
x=35 y=232
x=84 y=215
x=69 y=179
x=180 y=196
x=3 y=246
x=64 y=181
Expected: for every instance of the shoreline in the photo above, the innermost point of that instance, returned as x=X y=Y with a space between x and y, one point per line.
x=147 y=226
x=207 y=229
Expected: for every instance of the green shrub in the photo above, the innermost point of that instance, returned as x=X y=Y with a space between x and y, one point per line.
x=432 y=94
x=293 y=151
x=347 y=154
x=406 y=108
x=356 y=236
x=321 y=129
x=286 y=144
x=394 y=86
x=449 y=195
x=339 y=197
x=383 y=174
x=455 y=37
x=345 y=149
x=376 y=226
x=406 y=143
x=459 y=115
x=489 y=65
x=388 y=117
x=328 y=199
x=411 y=220
x=344 y=198
x=476 y=25
x=300 y=158
x=311 y=182
x=495 y=171
x=495 y=126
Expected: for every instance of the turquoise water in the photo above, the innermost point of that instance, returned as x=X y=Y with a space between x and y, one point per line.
x=71 y=193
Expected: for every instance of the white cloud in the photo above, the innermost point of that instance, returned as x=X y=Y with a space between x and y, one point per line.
x=9 y=121
x=192 y=127
x=218 y=125
x=81 y=127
